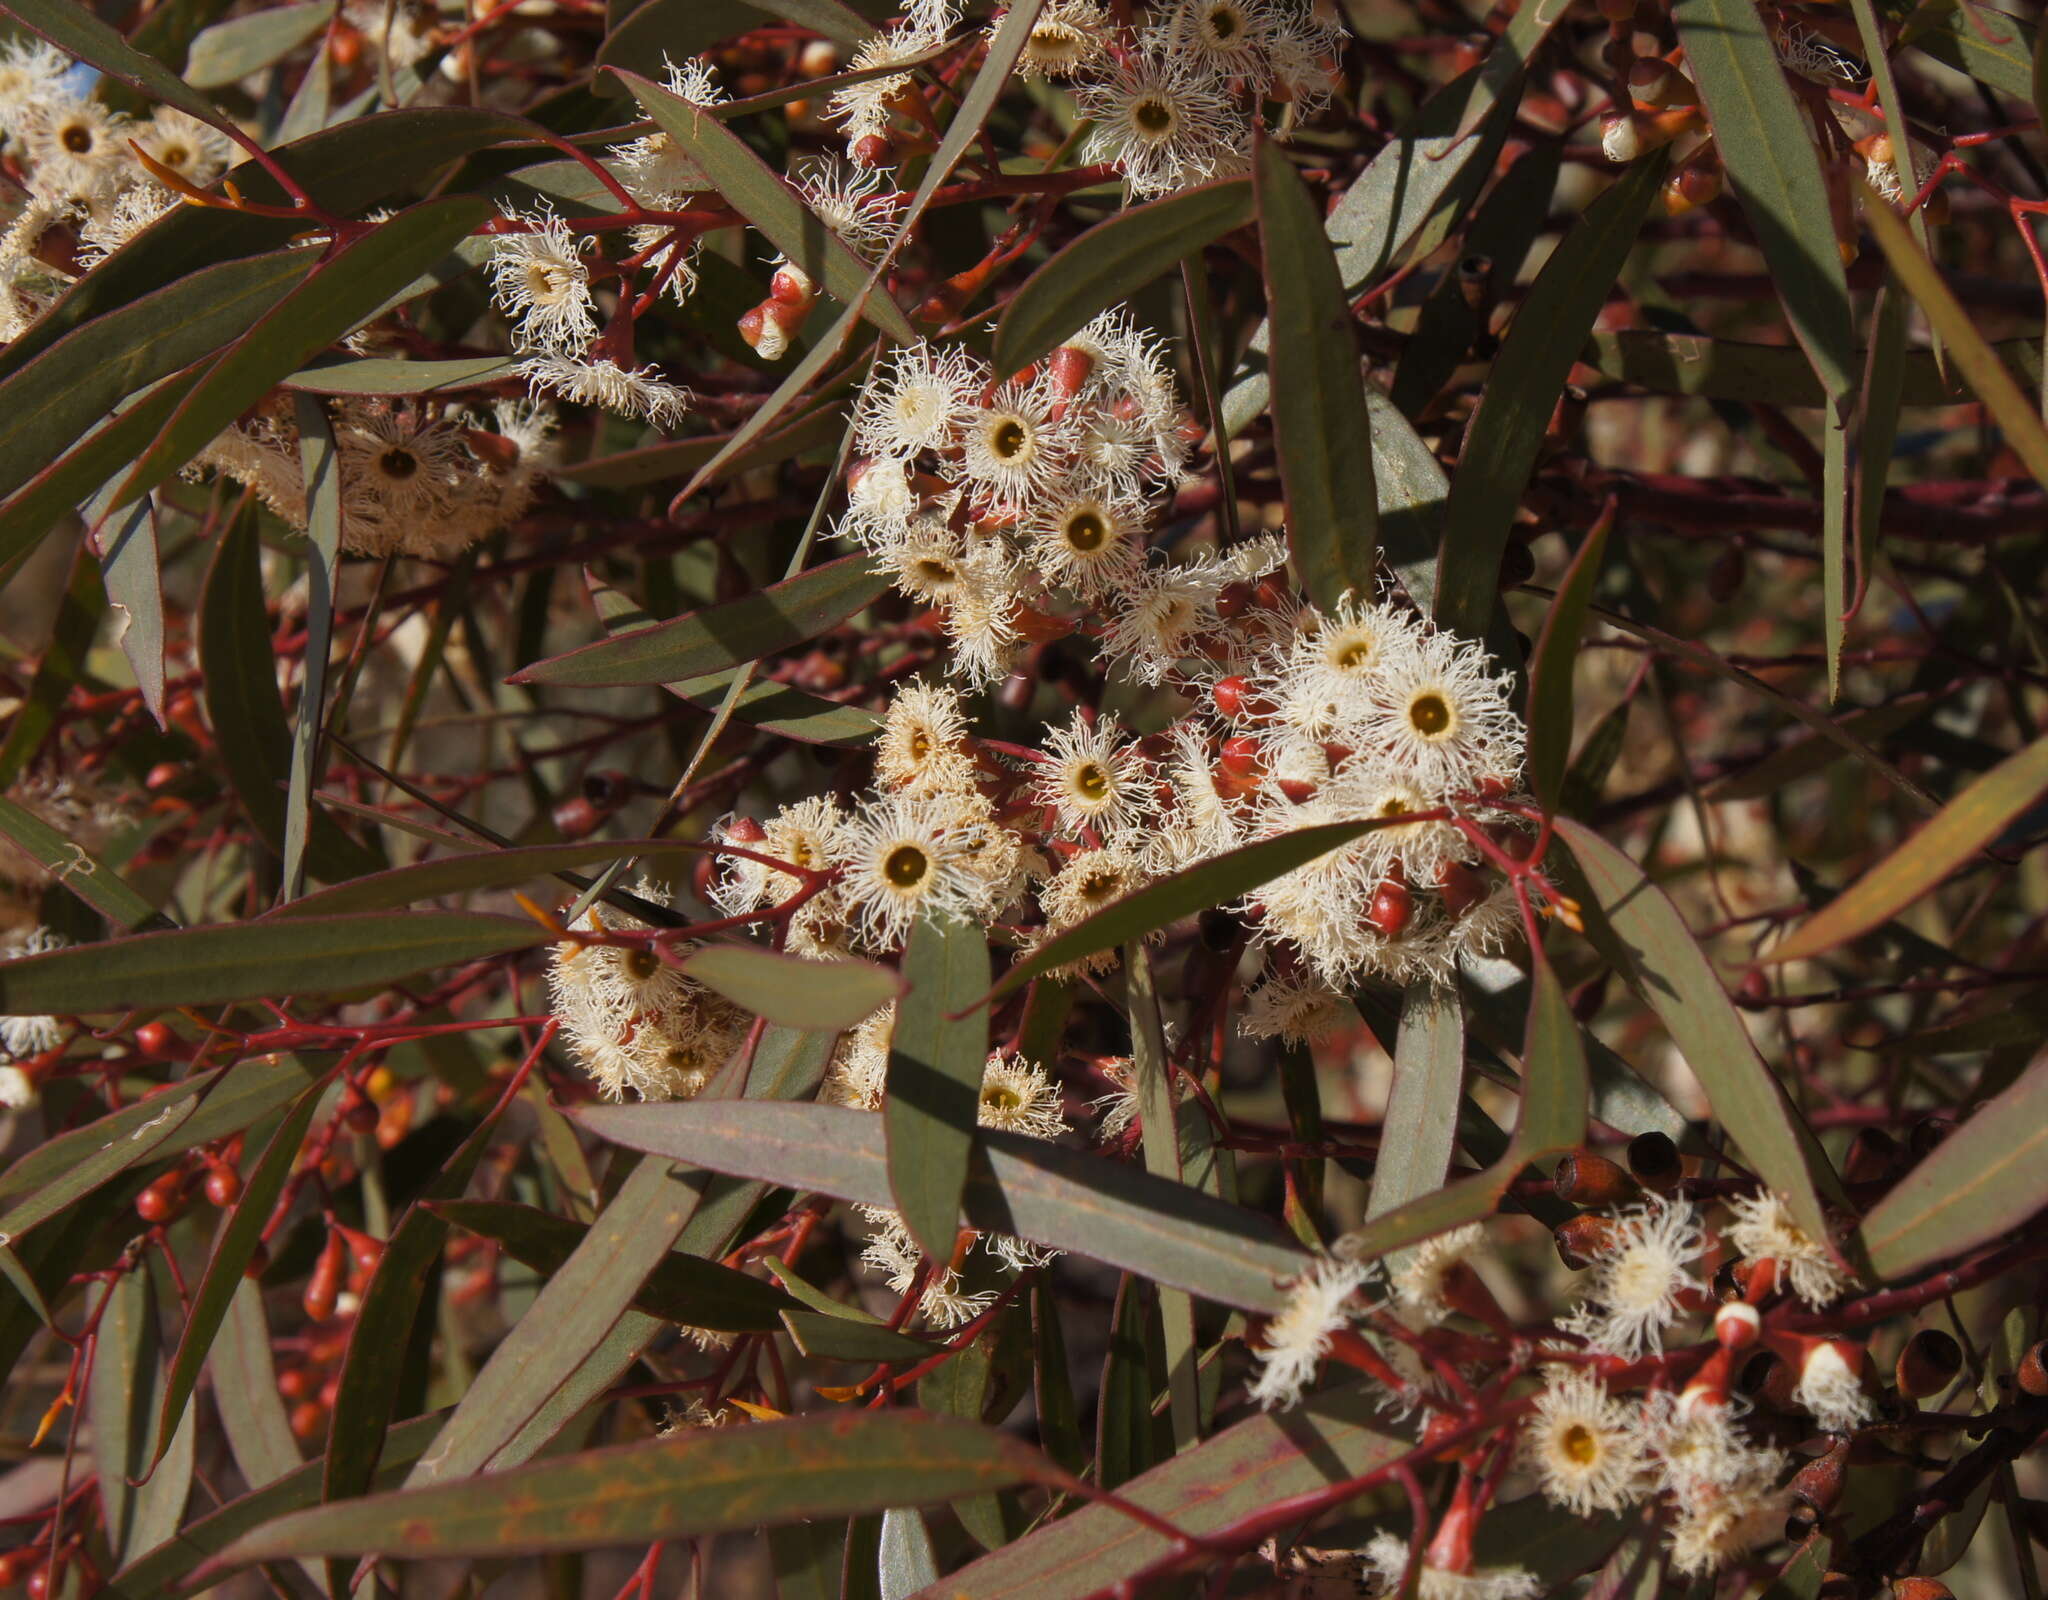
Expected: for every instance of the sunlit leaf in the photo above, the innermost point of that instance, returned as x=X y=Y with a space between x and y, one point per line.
x=934 y=1082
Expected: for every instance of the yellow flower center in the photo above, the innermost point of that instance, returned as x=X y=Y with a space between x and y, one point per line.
x=640 y=965
x=1091 y=782
x=1430 y=715
x=398 y=464
x=1008 y=438
x=1153 y=117
x=1086 y=530
x=1579 y=1445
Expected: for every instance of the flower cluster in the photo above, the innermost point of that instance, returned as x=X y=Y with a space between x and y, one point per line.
x=422 y=478
x=633 y=1019
x=1174 y=96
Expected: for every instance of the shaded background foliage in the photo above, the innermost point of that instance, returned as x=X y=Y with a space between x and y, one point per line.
x=1735 y=464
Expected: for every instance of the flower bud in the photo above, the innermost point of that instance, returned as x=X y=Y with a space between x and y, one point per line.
x=2032 y=1373
x=1927 y=1364
x=1462 y=887
x=1584 y=1240
x=323 y=1285
x=1392 y=906
x=223 y=1187
x=1736 y=1325
x=1921 y=1589
x=1069 y=368
x=873 y=150
x=1584 y=1179
x=1818 y=1484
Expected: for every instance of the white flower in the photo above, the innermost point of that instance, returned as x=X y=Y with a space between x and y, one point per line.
x=196 y=151
x=1065 y=37
x=882 y=510
x=1832 y=1389
x=922 y=745
x=1092 y=880
x=17 y=1090
x=1296 y=1010
x=903 y=858
x=1019 y=1096
x=1416 y=1275
x=539 y=280
x=1013 y=449
x=1165 y=121
x=1638 y=1284
x=630 y=392
x=23 y=1037
x=1089 y=537
x=1760 y=1226
x=1444 y=718
x=806 y=835
x=1298 y=1335
x=76 y=148
x=1337 y=665
x=849 y=201
x=1387 y=1559
x=1093 y=778
x=982 y=613
x=1583 y=1445
x=31 y=75
x=915 y=399
x=862 y=109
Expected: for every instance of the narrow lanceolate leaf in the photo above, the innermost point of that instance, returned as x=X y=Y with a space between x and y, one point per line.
x=320 y=472
x=51 y=402
x=232 y=1099
x=1522 y=387
x=1766 y=145
x=1884 y=384
x=84 y=874
x=239 y=961
x=1986 y=1178
x=1979 y=364
x=1550 y=670
x=934 y=1086
x=698 y=1481
x=1260 y=1462
x=1655 y=951
x=482 y=870
x=340 y=294
x=1319 y=417
x=158 y=1572
x=1073 y=1201
x=1969 y=822
x=131 y=566
x=778 y=617
x=390 y=375
x=828 y=995
x=1006 y=44
x=1836 y=433
x=1421 y=1124
x=779 y=707
x=240 y=689
x=233 y=1248
x=683 y=1288
x=252 y=1412
x=747 y=184
x=1110 y=262
x=1215 y=882
x=686 y=27
x=567 y=1324
x=2000 y=57
x=1552 y=1120
x=229 y=51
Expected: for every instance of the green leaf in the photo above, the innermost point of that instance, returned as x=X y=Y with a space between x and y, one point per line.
x=1656 y=953
x=1073 y=1201
x=245 y=1393
x=230 y=51
x=1550 y=669
x=830 y=1338
x=389 y=375
x=373 y=1367
x=1123 y=1408
x=320 y=471
x=1213 y=883
x=1319 y=418
x=122 y=1393
x=484 y=869
x=84 y=874
x=780 y=708
x=234 y=1247
x=1160 y=1130
x=1766 y=145
x=131 y=567
x=233 y=1098
x=657 y=463
x=1980 y=365
x=761 y=195
x=1969 y=822
x=80 y=607
x=345 y=290
x=698 y=1481
x=1261 y=1462
x=567 y=1324
x=934 y=1084
x=1984 y=1179
x=1994 y=47
x=241 y=961
x=78 y=33
x=1552 y=1119
x=1502 y=230
x=1109 y=263
x=161 y=1571
x=29 y=515
x=677 y=28
x=827 y=995
x=1834 y=543
x=776 y=618
x=683 y=1288
x=1506 y=433
x=239 y=682
x=1884 y=384
x=51 y=401
x=1421 y=1125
